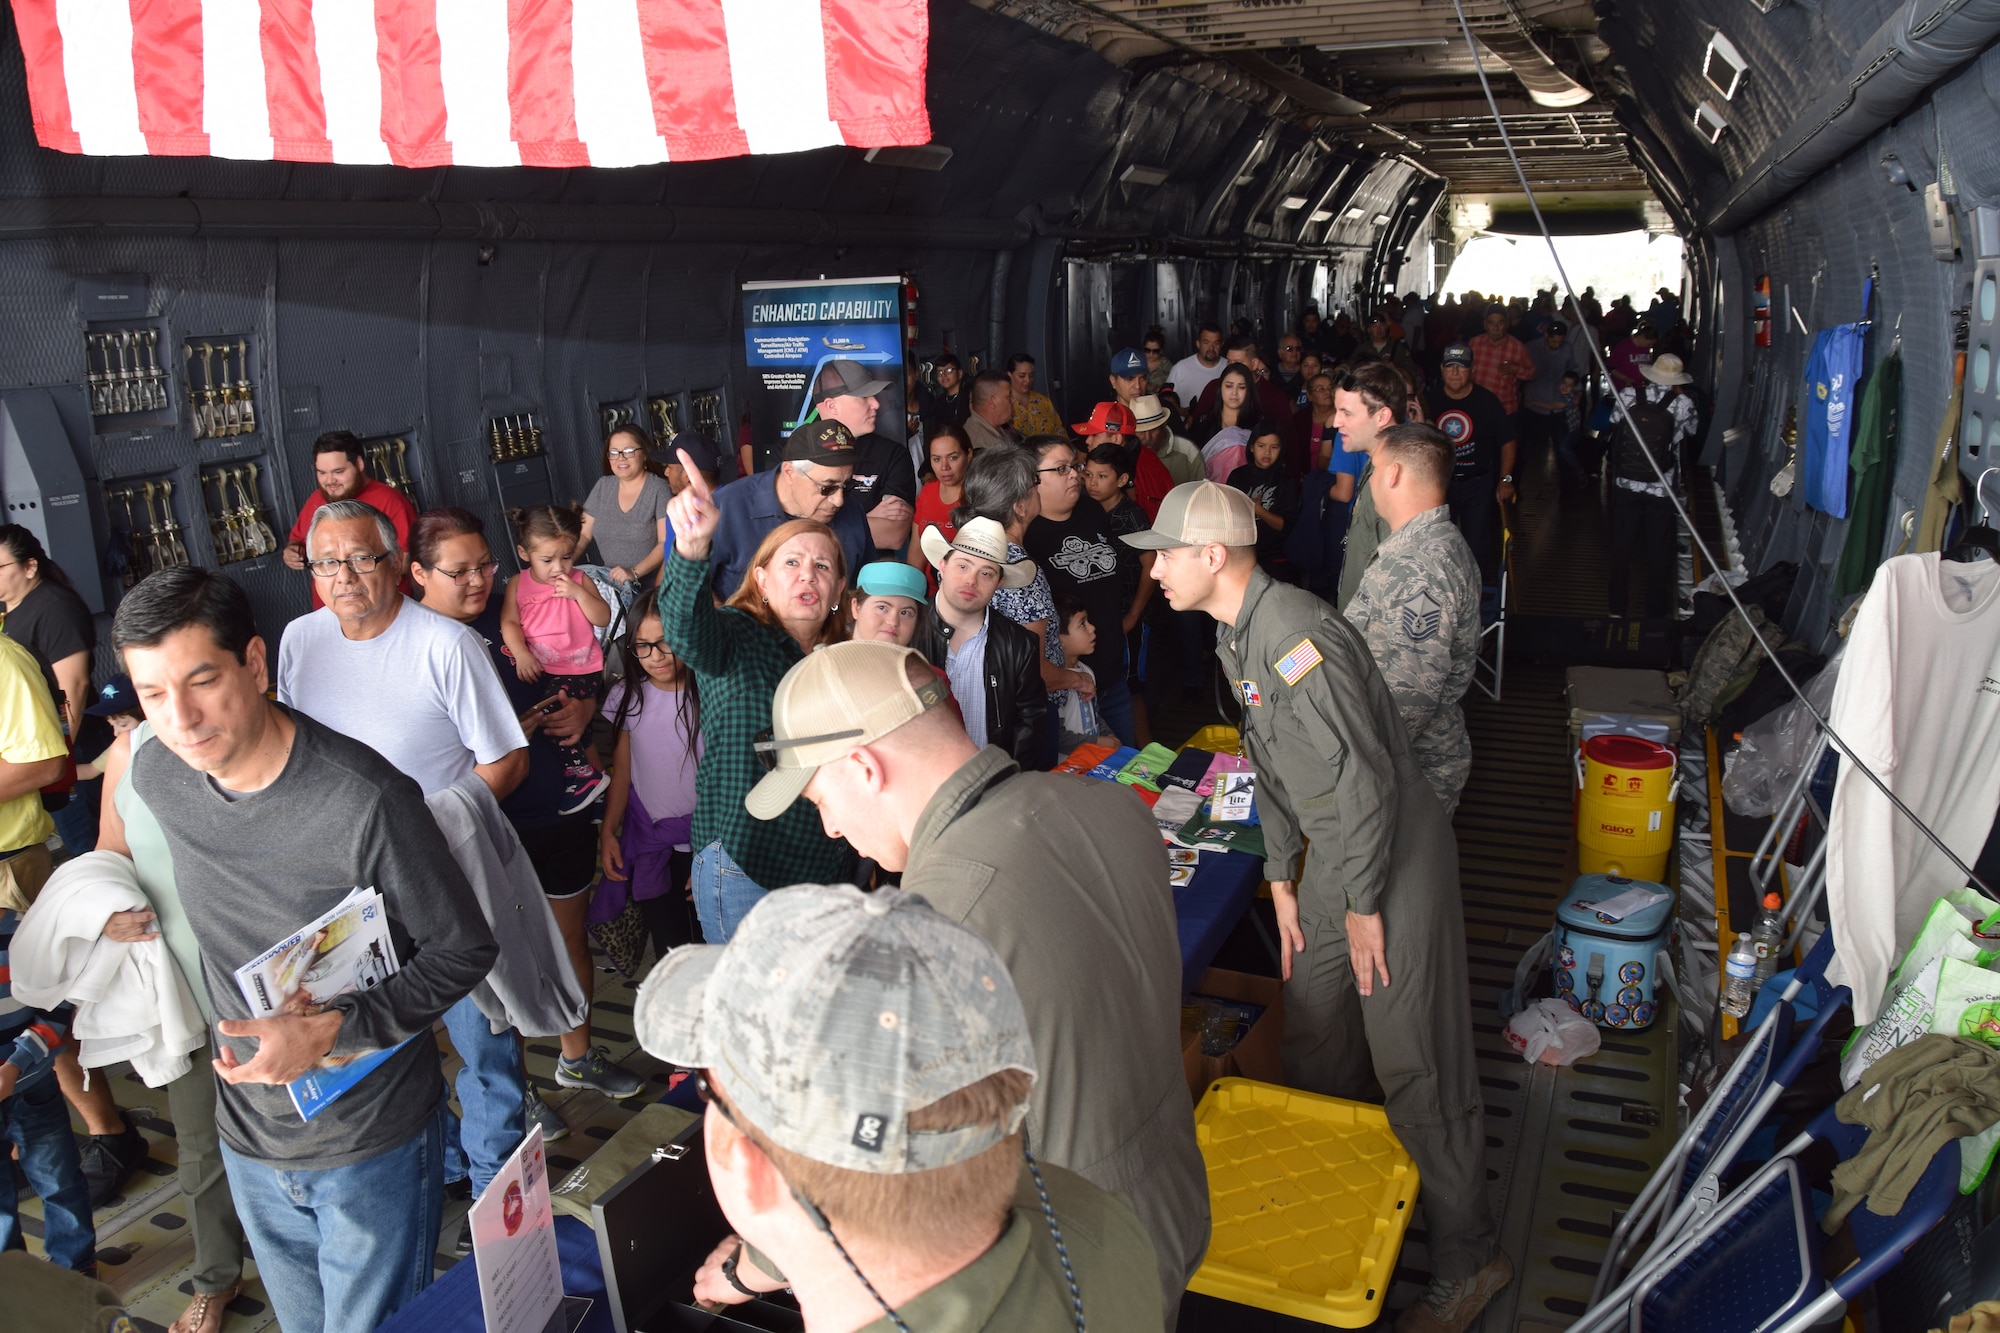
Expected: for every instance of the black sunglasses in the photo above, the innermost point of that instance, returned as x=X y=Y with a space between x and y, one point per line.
x=766 y=745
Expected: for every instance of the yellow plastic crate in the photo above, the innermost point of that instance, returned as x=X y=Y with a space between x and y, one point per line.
x=1310 y=1195
x=1216 y=739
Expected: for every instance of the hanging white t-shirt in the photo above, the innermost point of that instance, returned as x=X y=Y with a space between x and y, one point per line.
x=1918 y=701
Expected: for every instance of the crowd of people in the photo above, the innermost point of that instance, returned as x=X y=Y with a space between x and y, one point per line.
x=854 y=668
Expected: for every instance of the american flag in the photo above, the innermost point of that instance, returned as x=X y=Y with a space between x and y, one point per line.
x=423 y=83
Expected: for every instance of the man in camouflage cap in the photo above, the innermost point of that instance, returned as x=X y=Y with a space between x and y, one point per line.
x=1418 y=605
x=869 y=1066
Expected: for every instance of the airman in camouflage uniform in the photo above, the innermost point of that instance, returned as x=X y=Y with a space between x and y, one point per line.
x=1417 y=608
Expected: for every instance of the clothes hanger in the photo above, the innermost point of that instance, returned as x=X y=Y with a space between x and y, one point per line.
x=1980 y=541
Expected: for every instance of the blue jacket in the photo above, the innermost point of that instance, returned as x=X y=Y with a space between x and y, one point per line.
x=749 y=509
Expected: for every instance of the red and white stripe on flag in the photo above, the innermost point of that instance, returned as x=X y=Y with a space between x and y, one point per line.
x=421 y=83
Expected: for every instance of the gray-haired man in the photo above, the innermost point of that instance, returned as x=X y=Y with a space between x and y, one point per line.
x=419 y=689
x=869 y=1065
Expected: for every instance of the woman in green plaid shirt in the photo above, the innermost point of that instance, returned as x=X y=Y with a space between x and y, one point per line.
x=739 y=651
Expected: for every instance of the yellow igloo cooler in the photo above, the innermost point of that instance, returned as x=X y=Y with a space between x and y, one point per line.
x=1625 y=807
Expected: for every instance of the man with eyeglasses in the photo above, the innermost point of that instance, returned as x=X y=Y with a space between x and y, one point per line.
x=810 y=481
x=418 y=689
x=866 y=1127
x=337 y=465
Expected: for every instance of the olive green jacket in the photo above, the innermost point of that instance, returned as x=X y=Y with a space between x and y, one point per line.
x=1333 y=761
x=1365 y=531
x=1067 y=879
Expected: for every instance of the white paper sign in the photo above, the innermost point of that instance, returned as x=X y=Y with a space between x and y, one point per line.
x=514 y=1244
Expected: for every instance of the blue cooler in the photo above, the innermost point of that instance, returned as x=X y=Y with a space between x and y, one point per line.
x=1604 y=968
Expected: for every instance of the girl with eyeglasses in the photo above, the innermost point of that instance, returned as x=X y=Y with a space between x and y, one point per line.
x=644 y=844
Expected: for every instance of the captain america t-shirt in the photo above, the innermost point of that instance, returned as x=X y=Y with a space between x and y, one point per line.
x=1476 y=425
x=1079 y=555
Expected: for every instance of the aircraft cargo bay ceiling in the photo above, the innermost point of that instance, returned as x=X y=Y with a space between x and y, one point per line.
x=1395 y=77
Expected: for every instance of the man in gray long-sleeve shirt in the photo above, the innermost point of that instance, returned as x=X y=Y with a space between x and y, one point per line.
x=272 y=820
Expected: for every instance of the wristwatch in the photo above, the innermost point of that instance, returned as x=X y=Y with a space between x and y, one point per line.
x=729 y=1272
x=1507 y=477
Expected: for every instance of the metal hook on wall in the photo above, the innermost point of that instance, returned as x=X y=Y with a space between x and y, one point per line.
x=1979 y=492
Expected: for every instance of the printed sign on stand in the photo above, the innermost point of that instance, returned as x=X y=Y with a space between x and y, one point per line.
x=514 y=1245
x=792 y=329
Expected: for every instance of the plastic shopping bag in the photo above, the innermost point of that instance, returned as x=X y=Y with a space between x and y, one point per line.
x=1948 y=983
x=1551 y=1032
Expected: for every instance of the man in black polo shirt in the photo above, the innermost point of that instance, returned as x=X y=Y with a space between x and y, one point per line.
x=1481 y=432
x=884 y=485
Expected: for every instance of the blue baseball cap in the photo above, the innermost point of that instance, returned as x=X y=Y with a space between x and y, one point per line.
x=893 y=578
x=1128 y=362
x=117 y=696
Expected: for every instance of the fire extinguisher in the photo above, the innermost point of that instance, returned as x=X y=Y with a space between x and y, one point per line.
x=1760 y=311
x=909 y=311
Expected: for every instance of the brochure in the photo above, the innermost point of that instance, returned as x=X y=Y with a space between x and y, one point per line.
x=348 y=949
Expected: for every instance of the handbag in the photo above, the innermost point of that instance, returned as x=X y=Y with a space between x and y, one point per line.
x=623 y=940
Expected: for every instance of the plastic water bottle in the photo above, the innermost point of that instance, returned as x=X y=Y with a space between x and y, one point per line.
x=1768 y=936
x=1739 y=973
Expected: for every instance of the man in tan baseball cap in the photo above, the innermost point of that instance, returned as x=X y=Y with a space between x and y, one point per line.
x=1062 y=876
x=1372 y=896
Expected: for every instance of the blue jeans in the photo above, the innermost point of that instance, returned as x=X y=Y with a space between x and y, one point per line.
x=723 y=894
x=343 y=1248
x=492 y=1097
x=77 y=821
x=36 y=1120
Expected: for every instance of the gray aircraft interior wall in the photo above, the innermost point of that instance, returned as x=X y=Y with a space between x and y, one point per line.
x=1818 y=247
x=428 y=340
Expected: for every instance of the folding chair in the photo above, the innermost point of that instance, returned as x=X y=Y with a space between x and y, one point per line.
x=1688 y=1183
x=1758 y=1265
x=1496 y=633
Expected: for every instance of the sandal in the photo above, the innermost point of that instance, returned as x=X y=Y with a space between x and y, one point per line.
x=206 y=1312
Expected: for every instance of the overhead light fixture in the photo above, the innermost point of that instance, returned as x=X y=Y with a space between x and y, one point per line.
x=1723 y=65
x=1292 y=201
x=1142 y=175
x=921 y=157
x=1708 y=122
x=1321 y=215
x=1381 y=219
x=1350 y=215
x=1383 y=46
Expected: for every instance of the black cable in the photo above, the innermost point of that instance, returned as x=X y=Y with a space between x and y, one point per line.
x=1597 y=356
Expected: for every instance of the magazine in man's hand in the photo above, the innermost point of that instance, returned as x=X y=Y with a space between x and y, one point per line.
x=348 y=949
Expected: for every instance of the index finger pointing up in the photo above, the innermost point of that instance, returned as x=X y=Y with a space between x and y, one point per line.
x=696 y=482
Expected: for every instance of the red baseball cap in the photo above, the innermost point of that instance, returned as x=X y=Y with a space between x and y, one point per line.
x=1108 y=417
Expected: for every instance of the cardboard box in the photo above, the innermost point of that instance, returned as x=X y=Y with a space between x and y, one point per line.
x=1595 y=691
x=1257 y=1054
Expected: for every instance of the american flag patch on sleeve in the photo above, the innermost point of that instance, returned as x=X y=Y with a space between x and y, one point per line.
x=1292 y=667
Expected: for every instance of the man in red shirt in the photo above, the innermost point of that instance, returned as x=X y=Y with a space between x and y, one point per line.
x=1500 y=362
x=337 y=465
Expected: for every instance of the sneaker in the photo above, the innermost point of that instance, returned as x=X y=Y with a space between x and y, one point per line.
x=110 y=1159
x=596 y=1071
x=463 y=1245
x=1453 y=1307
x=541 y=1113
x=584 y=783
